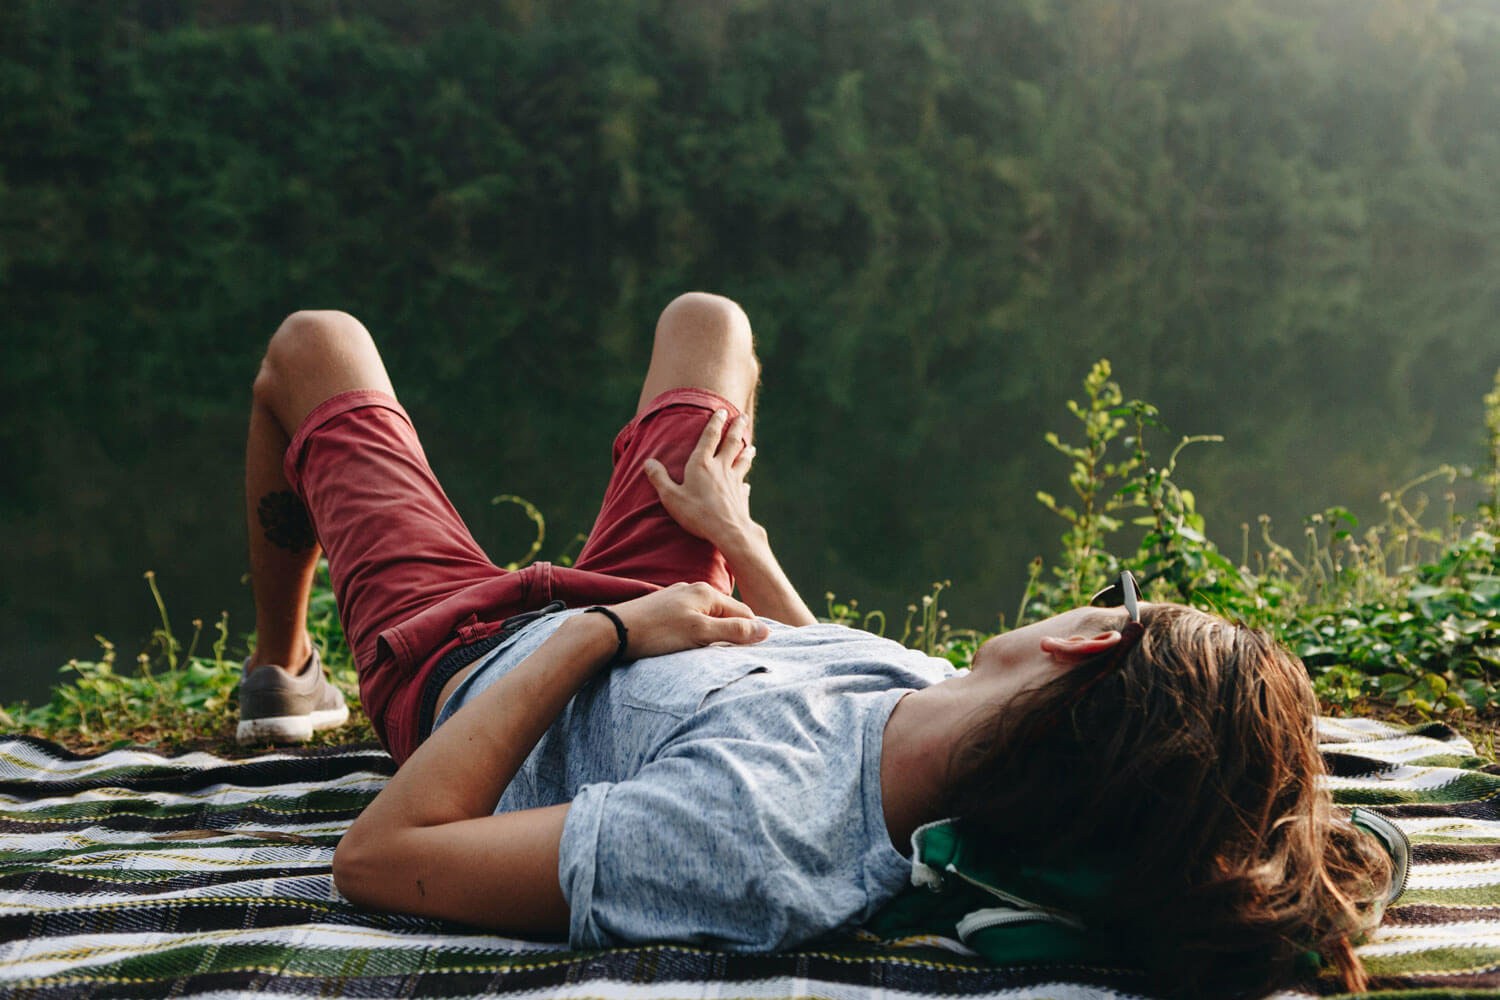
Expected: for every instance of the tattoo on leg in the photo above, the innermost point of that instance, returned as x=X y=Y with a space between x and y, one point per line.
x=285 y=521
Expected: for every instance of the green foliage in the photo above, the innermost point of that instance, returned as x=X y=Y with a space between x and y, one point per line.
x=924 y=628
x=1174 y=548
x=1403 y=613
x=176 y=697
x=918 y=203
x=1103 y=418
x=1431 y=641
x=1492 y=476
x=925 y=205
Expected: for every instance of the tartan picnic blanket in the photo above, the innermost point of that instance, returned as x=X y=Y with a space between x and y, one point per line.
x=133 y=874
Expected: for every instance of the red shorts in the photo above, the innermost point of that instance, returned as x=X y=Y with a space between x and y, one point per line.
x=417 y=595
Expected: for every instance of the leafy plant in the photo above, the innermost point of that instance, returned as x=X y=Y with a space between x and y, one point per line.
x=1492 y=476
x=175 y=696
x=1173 y=549
x=1406 y=613
x=925 y=626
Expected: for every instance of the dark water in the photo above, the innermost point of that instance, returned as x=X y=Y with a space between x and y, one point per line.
x=900 y=433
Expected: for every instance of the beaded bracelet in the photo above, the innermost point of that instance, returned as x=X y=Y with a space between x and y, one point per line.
x=619 y=630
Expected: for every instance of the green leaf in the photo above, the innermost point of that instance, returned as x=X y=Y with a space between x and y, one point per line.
x=1391 y=684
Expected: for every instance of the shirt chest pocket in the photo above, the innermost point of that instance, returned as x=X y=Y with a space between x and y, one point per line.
x=616 y=729
x=677 y=685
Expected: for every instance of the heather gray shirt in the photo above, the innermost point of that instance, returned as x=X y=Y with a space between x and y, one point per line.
x=726 y=796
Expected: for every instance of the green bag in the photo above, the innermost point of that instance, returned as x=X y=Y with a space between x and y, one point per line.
x=1017 y=914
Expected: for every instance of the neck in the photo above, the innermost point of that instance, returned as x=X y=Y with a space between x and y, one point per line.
x=916 y=748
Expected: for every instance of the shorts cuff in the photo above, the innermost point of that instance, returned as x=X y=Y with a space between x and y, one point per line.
x=321 y=414
x=688 y=396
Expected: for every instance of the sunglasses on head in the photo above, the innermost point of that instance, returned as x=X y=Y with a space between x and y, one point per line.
x=1124 y=592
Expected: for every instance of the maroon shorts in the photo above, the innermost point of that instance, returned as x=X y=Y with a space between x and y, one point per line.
x=415 y=592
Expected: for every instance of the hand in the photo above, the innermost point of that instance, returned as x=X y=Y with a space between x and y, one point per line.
x=713 y=499
x=685 y=616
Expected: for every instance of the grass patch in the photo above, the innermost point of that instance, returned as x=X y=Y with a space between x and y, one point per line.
x=176 y=698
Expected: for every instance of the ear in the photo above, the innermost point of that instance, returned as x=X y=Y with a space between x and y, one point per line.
x=1077 y=648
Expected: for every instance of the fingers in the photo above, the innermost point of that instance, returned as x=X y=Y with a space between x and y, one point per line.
x=708 y=441
x=686 y=615
x=729 y=620
x=739 y=631
x=720 y=441
x=658 y=476
x=714 y=441
x=734 y=437
x=721 y=605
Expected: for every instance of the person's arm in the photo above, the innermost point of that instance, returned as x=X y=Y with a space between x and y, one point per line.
x=429 y=843
x=713 y=503
x=762 y=583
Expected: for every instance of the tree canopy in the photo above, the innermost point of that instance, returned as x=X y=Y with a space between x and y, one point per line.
x=937 y=213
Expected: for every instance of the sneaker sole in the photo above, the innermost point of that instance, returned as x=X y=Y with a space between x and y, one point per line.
x=289 y=728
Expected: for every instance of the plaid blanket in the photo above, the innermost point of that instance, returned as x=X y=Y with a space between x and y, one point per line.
x=132 y=874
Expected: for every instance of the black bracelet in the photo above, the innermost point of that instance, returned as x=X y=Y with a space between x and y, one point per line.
x=619 y=630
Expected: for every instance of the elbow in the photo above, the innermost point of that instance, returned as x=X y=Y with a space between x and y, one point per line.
x=352 y=865
x=372 y=869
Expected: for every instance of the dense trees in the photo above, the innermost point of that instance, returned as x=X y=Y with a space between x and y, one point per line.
x=937 y=212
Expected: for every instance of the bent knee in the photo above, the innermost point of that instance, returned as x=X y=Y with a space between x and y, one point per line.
x=306 y=339
x=702 y=325
x=318 y=351
x=703 y=315
x=317 y=331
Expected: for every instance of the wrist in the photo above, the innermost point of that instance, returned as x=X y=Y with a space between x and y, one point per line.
x=595 y=636
x=744 y=543
x=622 y=634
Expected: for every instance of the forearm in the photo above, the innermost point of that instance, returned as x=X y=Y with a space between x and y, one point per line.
x=461 y=771
x=431 y=842
x=762 y=583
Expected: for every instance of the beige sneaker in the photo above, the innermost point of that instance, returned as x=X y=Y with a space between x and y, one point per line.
x=277 y=706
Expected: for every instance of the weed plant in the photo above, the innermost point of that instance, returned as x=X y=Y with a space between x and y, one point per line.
x=1401 y=616
x=177 y=698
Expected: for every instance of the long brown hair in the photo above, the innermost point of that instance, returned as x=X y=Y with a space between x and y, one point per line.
x=1192 y=771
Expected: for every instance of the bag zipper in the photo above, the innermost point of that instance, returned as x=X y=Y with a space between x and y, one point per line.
x=982 y=920
x=1021 y=903
x=1396 y=842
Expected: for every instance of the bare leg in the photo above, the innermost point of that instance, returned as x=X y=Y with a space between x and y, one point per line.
x=312 y=356
x=703 y=341
x=283 y=551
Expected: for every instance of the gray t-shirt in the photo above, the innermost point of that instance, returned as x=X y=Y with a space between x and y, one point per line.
x=726 y=796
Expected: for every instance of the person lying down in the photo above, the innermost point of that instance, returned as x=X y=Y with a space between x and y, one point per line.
x=622 y=751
